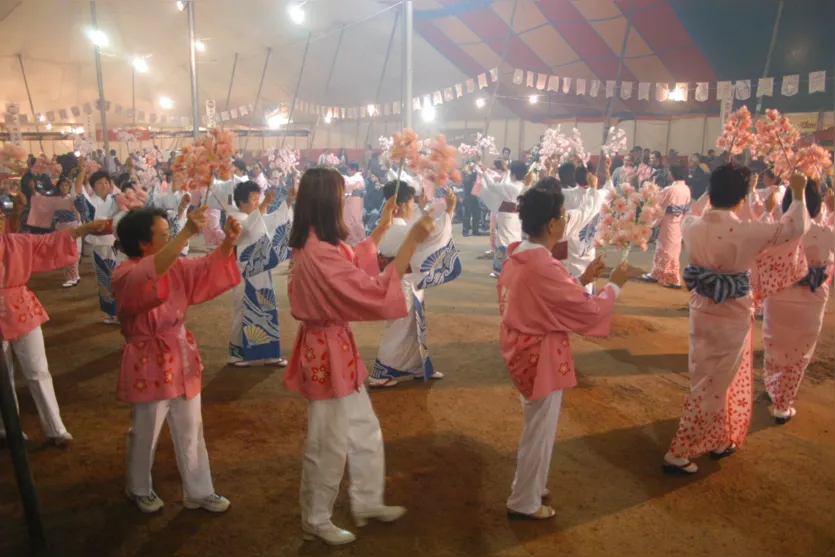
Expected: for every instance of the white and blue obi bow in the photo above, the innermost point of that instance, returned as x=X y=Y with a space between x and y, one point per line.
x=717 y=286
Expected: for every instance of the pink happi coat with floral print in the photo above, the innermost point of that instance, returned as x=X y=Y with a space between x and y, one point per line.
x=540 y=304
x=793 y=317
x=717 y=411
x=160 y=360
x=20 y=256
x=328 y=287
x=666 y=268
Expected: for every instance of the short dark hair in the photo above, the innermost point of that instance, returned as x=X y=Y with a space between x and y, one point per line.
x=581 y=175
x=812 y=195
x=244 y=190
x=678 y=172
x=404 y=194
x=498 y=164
x=506 y=149
x=518 y=169
x=566 y=173
x=539 y=205
x=240 y=165
x=636 y=149
x=61 y=180
x=135 y=229
x=709 y=151
x=728 y=185
x=354 y=165
x=113 y=152
x=657 y=154
x=98 y=175
x=319 y=206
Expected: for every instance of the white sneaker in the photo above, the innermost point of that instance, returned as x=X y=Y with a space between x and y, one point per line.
x=275 y=362
x=383 y=514
x=63 y=440
x=110 y=320
x=214 y=503
x=71 y=283
x=436 y=376
x=494 y=275
x=376 y=383
x=146 y=503
x=330 y=534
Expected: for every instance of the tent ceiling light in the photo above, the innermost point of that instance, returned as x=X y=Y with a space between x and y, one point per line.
x=139 y=64
x=296 y=13
x=166 y=103
x=428 y=113
x=97 y=37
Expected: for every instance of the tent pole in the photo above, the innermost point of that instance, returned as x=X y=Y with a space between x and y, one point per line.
x=133 y=91
x=501 y=61
x=607 y=118
x=20 y=462
x=257 y=96
x=231 y=81
x=100 y=81
x=382 y=77
x=327 y=90
x=408 y=67
x=771 y=45
x=195 y=109
x=298 y=84
x=31 y=104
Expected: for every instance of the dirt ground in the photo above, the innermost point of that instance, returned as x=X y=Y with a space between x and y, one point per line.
x=450 y=445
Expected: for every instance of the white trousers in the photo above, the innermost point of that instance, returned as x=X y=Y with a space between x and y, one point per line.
x=534 y=456
x=185 y=422
x=31 y=354
x=339 y=429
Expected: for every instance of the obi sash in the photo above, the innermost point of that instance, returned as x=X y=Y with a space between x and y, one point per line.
x=677 y=209
x=815 y=278
x=507 y=207
x=717 y=286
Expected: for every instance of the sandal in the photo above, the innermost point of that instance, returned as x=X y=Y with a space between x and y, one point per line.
x=686 y=468
x=543 y=513
x=646 y=277
x=782 y=418
x=719 y=455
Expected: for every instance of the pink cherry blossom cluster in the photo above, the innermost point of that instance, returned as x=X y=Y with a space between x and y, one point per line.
x=127 y=137
x=406 y=147
x=553 y=147
x=284 y=161
x=736 y=134
x=615 y=142
x=775 y=142
x=132 y=199
x=439 y=166
x=385 y=146
x=486 y=143
x=813 y=161
x=44 y=165
x=13 y=156
x=468 y=151
x=331 y=161
x=200 y=161
x=578 y=150
x=629 y=219
x=146 y=173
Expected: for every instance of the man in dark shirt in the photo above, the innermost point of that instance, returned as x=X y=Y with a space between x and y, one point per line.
x=472 y=207
x=697 y=178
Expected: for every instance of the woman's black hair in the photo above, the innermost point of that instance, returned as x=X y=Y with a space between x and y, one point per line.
x=98 y=175
x=540 y=205
x=244 y=190
x=498 y=164
x=679 y=172
x=518 y=170
x=404 y=194
x=136 y=228
x=813 y=196
x=60 y=181
x=729 y=184
x=240 y=165
x=566 y=173
x=581 y=176
x=319 y=206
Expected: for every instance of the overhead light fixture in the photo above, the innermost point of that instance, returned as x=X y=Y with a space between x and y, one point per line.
x=98 y=37
x=181 y=5
x=480 y=102
x=276 y=120
x=48 y=126
x=371 y=109
x=199 y=46
x=41 y=118
x=296 y=13
x=428 y=113
x=328 y=118
x=166 y=103
x=139 y=64
x=676 y=95
x=533 y=99
x=79 y=130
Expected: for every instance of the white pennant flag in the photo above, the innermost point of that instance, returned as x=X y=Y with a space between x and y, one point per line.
x=437 y=98
x=610 y=89
x=702 y=91
x=459 y=90
x=518 y=77
x=581 y=86
x=541 y=79
x=566 y=85
x=529 y=78
x=765 y=87
x=643 y=91
x=243 y=111
x=554 y=84
x=817 y=82
x=723 y=90
x=416 y=103
x=791 y=85
x=494 y=75
x=683 y=91
x=743 y=89
x=234 y=113
x=396 y=108
x=595 y=88
x=224 y=116
x=662 y=91
x=482 y=81
x=626 y=90
x=448 y=94
x=427 y=100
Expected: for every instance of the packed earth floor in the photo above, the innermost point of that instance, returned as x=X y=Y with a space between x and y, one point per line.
x=450 y=445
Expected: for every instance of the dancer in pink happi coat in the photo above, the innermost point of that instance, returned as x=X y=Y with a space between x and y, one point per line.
x=330 y=285
x=675 y=200
x=352 y=213
x=160 y=375
x=540 y=304
x=21 y=314
x=792 y=318
x=722 y=249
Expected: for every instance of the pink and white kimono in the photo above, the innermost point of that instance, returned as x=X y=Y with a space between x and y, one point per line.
x=328 y=287
x=722 y=249
x=352 y=208
x=21 y=315
x=62 y=211
x=540 y=304
x=675 y=200
x=161 y=372
x=792 y=318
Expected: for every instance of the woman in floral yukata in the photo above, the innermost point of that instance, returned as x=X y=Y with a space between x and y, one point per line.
x=722 y=250
x=161 y=372
x=330 y=285
x=540 y=304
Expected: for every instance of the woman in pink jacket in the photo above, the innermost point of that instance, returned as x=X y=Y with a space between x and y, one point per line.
x=330 y=285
